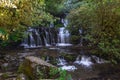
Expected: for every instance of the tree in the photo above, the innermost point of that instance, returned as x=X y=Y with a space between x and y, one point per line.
x=100 y=20
x=55 y=7
x=17 y=15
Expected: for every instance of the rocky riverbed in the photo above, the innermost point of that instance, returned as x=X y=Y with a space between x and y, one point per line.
x=80 y=64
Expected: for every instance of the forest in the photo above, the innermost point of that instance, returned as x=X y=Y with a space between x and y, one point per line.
x=62 y=39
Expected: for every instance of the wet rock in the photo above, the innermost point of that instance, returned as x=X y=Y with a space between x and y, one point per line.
x=11 y=79
x=7 y=57
x=11 y=62
x=1 y=63
x=27 y=69
x=4 y=66
x=23 y=55
x=8 y=76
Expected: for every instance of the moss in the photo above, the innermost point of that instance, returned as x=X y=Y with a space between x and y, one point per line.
x=69 y=57
x=27 y=69
x=5 y=75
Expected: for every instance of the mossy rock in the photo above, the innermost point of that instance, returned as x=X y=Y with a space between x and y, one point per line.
x=27 y=69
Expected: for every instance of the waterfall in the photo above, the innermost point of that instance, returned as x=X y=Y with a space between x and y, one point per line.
x=81 y=39
x=43 y=36
x=46 y=38
x=29 y=41
x=64 y=35
x=37 y=37
x=47 y=59
x=32 y=41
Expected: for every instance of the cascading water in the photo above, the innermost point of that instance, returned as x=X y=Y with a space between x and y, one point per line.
x=85 y=61
x=81 y=39
x=37 y=37
x=32 y=41
x=64 y=35
x=61 y=61
x=46 y=39
x=47 y=59
x=29 y=41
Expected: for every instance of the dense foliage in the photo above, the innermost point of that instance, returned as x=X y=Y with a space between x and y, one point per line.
x=100 y=20
x=55 y=7
x=18 y=15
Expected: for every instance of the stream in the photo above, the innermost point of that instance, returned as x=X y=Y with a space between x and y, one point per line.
x=54 y=47
x=78 y=63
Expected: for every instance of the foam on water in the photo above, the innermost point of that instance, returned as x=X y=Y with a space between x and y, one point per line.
x=69 y=68
x=85 y=61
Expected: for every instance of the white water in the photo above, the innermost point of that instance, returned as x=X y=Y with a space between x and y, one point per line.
x=30 y=41
x=85 y=61
x=47 y=60
x=61 y=61
x=64 y=35
x=47 y=38
x=81 y=39
x=68 y=68
x=37 y=37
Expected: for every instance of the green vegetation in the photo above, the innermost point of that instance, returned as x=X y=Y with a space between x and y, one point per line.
x=5 y=75
x=26 y=69
x=17 y=15
x=55 y=7
x=42 y=72
x=100 y=22
x=99 y=19
x=57 y=74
